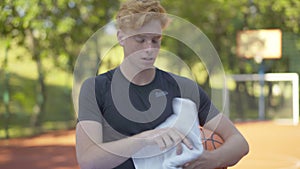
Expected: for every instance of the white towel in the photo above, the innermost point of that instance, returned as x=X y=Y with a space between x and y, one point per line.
x=184 y=119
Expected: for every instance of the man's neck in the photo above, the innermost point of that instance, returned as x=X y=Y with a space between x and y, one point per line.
x=137 y=76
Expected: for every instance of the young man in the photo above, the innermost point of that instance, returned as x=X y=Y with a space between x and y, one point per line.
x=120 y=110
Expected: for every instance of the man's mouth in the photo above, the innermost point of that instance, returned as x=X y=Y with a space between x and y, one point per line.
x=148 y=58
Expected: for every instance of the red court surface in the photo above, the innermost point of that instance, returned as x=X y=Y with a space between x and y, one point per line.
x=54 y=150
x=272 y=146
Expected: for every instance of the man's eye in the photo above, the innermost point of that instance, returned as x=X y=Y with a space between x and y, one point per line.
x=155 y=40
x=140 y=40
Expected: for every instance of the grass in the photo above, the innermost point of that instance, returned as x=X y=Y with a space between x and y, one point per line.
x=59 y=107
x=59 y=113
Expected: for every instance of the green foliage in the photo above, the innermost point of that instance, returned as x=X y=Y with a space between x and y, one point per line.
x=54 y=31
x=220 y=20
x=50 y=32
x=23 y=93
x=22 y=105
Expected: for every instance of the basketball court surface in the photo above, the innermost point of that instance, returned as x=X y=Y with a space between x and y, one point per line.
x=272 y=146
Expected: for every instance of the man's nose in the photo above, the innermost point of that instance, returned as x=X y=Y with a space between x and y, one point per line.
x=148 y=47
x=148 y=44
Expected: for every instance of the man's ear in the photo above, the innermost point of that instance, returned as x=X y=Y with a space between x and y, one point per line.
x=121 y=36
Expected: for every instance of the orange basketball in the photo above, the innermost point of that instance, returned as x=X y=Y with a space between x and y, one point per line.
x=211 y=140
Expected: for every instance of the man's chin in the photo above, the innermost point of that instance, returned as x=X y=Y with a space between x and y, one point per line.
x=146 y=67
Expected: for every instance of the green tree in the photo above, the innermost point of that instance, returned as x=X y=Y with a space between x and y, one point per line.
x=52 y=29
x=220 y=20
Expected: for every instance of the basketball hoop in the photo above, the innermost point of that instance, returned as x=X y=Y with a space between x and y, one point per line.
x=259 y=44
x=258 y=58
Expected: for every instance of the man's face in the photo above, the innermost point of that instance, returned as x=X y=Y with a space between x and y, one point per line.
x=141 y=46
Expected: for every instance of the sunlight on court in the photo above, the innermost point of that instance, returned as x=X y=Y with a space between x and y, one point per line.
x=272 y=146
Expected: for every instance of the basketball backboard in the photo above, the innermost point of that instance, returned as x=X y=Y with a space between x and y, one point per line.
x=261 y=44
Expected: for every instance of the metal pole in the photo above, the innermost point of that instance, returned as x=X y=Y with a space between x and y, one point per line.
x=261 y=103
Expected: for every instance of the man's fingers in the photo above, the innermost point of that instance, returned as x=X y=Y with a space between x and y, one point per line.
x=169 y=136
x=191 y=165
x=167 y=140
x=179 y=149
x=186 y=165
x=159 y=141
x=176 y=137
x=187 y=143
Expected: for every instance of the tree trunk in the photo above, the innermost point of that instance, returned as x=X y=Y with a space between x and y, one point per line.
x=6 y=94
x=41 y=93
x=39 y=109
